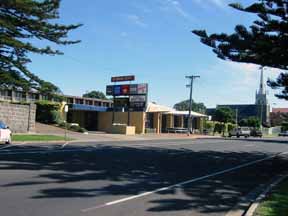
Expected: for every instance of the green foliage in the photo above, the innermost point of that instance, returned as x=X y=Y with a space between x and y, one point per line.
x=48 y=112
x=284 y=126
x=23 y=22
x=196 y=107
x=219 y=128
x=224 y=115
x=250 y=122
x=72 y=127
x=253 y=122
x=231 y=127
x=276 y=204
x=209 y=125
x=243 y=122
x=265 y=43
x=95 y=94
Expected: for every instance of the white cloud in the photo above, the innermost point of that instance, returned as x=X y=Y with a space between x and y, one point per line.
x=207 y=3
x=177 y=7
x=137 y=20
x=123 y=34
x=233 y=83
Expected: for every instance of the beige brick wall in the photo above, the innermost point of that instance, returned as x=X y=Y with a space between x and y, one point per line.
x=20 y=118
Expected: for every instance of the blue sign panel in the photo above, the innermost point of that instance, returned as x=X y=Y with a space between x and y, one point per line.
x=88 y=108
x=117 y=90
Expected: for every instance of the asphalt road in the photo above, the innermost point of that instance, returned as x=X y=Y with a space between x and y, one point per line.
x=143 y=178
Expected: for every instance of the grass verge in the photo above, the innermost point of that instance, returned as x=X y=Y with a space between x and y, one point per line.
x=276 y=204
x=28 y=137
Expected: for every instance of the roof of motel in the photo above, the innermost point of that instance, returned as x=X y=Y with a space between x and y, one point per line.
x=186 y=113
x=152 y=108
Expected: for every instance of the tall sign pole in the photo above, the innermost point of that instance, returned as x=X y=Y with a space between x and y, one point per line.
x=192 y=78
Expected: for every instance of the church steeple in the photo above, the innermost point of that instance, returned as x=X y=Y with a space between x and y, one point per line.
x=262 y=87
x=261 y=96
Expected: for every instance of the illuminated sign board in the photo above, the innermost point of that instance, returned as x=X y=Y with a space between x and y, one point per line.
x=123 y=78
x=137 y=98
x=121 y=102
x=127 y=90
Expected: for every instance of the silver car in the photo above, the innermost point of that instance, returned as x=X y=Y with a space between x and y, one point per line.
x=240 y=131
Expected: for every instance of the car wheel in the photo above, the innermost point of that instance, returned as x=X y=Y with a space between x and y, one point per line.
x=8 y=141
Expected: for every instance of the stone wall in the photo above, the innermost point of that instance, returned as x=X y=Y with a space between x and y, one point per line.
x=20 y=118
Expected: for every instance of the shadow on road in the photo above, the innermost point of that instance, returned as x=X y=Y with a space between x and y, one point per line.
x=129 y=171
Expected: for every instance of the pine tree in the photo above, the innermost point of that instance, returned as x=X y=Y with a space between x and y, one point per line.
x=21 y=22
x=265 y=43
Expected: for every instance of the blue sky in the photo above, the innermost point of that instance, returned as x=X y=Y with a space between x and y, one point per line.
x=152 y=39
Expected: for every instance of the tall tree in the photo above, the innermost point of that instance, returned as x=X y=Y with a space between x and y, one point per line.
x=265 y=43
x=23 y=22
x=95 y=94
x=196 y=107
x=224 y=115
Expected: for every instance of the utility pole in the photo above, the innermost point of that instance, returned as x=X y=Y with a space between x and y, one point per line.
x=236 y=118
x=192 y=78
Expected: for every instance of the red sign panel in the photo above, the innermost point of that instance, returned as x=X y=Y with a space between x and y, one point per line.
x=123 y=78
x=125 y=89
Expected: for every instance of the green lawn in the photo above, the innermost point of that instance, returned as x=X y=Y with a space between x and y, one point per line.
x=28 y=137
x=275 y=204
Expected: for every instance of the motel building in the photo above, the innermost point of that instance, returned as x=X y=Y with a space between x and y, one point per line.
x=155 y=119
x=128 y=113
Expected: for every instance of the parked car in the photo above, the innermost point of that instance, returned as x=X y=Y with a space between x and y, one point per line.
x=241 y=131
x=5 y=133
x=256 y=133
x=284 y=133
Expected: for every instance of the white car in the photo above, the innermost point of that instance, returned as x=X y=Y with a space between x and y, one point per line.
x=241 y=131
x=5 y=134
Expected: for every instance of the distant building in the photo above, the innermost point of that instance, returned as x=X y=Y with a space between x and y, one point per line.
x=278 y=116
x=261 y=108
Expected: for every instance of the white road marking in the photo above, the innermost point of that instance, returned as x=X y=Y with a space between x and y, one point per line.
x=65 y=144
x=180 y=184
x=45 y=151
x=12 y=145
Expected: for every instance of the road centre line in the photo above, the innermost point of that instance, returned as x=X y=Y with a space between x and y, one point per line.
x=181 y=183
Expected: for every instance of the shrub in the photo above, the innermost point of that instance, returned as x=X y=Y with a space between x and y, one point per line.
x=75 y=128
x=218 y=128
x=48 y=112
x=231 y=127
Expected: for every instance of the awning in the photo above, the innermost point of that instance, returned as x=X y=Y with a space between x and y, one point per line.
x=153 y=108
x=186 y=113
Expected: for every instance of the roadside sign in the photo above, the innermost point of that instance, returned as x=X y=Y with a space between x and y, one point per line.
x=124 y=90
x=123 y=78
x=133 y=89
x=109 y=90
x=137 y=98
x=142 y=89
